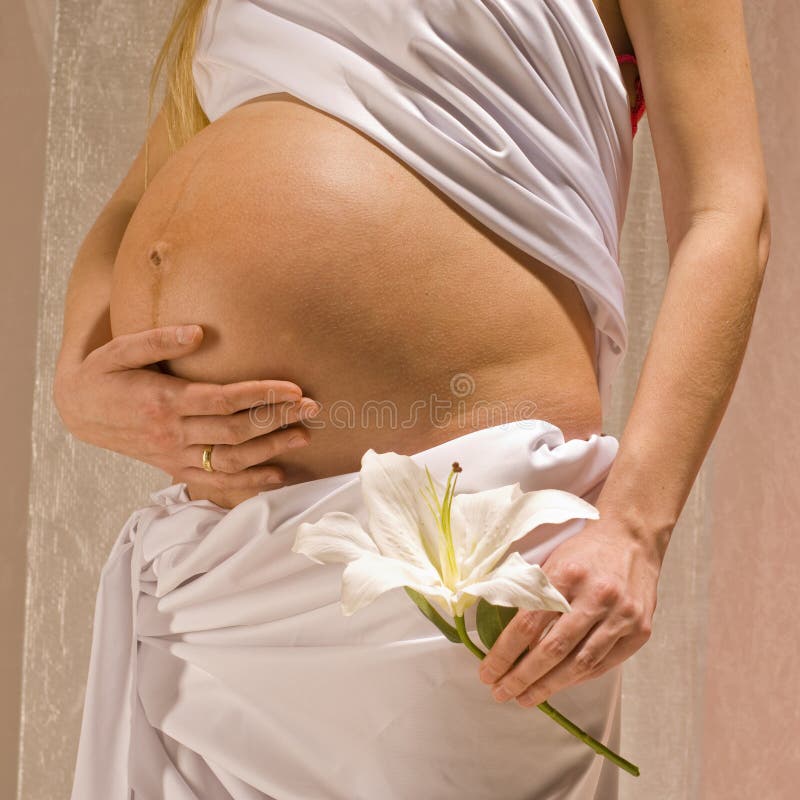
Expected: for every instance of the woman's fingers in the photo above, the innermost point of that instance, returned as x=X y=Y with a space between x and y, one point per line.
x=187 y=398
x=611 y=585
x=596 y=634
x=601 y=651
x=112 y=400
x=524 y=630
x=136 y=350
x=234 y=487
x=548 y=652
x=235 y=429
x=235 y=458
x=194 y=398
x=545 y=652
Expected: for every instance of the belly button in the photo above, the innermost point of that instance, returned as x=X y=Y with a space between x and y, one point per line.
x=157 y=253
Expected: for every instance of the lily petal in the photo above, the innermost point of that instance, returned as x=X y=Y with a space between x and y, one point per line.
x=336 y=537
x=371 y=575
x=475 y=514
x=511 y=522
x=514 y=583
x=400 y=521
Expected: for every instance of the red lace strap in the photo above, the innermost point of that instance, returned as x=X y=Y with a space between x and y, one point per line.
x=639 y=108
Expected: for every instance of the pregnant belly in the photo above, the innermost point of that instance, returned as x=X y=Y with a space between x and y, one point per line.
x=310 y=253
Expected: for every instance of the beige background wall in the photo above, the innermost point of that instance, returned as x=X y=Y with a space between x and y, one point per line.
x=26 y=35
x=718 y=673
x=752 y=735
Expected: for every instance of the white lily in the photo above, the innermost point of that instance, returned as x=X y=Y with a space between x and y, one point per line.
x=444 y=546
x=446 y=551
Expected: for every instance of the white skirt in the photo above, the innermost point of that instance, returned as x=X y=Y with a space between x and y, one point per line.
x=222 y=666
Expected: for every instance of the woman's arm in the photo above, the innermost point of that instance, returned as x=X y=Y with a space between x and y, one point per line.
x=703 y=119
x=695 y=73
x=107 y=396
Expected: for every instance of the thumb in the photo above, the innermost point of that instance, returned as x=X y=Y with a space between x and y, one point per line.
x=136 y=350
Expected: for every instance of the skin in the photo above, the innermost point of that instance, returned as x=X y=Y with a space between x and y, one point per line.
x=377 y=288
x=715 y=205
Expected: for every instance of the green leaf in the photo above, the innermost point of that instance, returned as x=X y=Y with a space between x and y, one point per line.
x=433 y=615
x=491 y=620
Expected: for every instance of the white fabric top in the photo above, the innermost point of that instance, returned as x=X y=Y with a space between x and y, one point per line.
x=516 y=109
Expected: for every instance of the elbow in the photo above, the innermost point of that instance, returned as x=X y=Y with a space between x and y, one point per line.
x=744 y=228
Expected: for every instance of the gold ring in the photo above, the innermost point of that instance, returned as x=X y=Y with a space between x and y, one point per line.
x=207 y=458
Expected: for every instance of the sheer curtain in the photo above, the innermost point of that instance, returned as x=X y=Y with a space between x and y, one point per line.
x=707 y=709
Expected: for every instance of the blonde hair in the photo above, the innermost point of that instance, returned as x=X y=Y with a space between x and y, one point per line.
x=182 y=110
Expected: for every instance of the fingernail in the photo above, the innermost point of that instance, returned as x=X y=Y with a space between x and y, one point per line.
x=310 y=408
x=489 y=675
x=526 y=700
x=297 y=441
x=186 y=334
x=275 y=479
x=501 y=693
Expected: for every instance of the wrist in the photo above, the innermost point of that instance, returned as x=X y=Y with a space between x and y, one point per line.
x=646 y=521
x=643 y=500
x=648 y=529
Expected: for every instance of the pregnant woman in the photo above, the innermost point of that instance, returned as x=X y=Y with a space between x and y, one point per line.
x=396 y=224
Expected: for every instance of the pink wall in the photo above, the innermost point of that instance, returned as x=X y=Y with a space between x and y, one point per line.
x=752 y=710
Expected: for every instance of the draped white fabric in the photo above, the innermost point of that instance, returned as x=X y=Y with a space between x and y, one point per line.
x=222 y=665
x=514 y=108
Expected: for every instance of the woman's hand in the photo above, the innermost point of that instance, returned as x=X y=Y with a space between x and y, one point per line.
x=116 y=399
x=610 y=581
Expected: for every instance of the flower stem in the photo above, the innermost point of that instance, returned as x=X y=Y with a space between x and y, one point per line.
x=563 y=721
x=598 y=747
x=462 y=632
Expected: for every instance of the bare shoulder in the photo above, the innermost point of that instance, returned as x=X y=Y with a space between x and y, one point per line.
x=695 y=69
